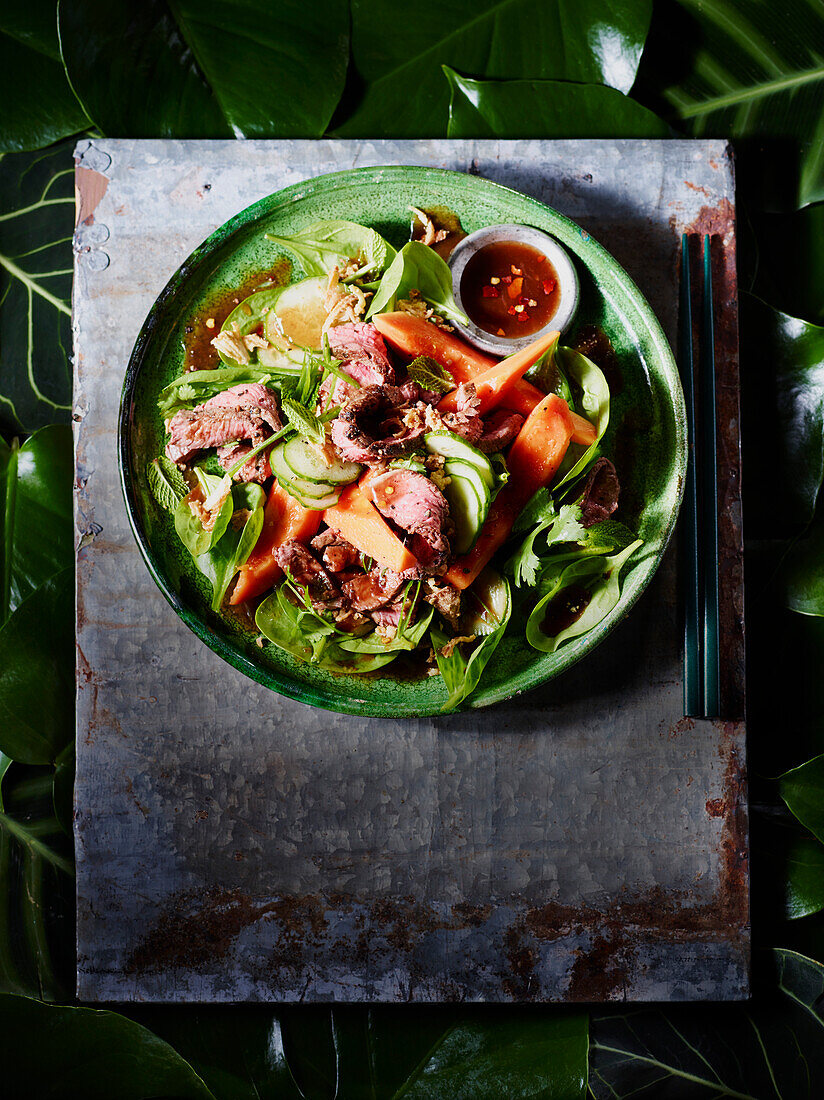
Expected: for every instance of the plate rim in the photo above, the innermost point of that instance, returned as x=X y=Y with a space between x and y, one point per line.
x=279 y=682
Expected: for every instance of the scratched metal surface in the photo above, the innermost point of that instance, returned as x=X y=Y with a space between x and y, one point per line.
x=583 y=843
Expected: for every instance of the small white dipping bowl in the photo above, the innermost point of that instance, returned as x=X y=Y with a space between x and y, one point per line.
x=557 y=256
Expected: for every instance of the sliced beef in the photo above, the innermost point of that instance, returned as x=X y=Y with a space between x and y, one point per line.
x=375 y=424
x=254 y=398
x=243 y=412
x=256 y=469
x=305 y=570
x=466 y=420
x=446 y=599
x=600 y=496
x=338 y=554
x=415 y=505
x=363 y=355
x=499 y=430
x=369 y=591
x=404 y=603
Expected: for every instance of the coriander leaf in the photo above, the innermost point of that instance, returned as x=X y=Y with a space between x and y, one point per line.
x=430 y=375
x=166 y=483
x=563 y=527
x=304 y=421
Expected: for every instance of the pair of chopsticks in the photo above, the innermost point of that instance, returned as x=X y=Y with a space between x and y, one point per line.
x=701 y=628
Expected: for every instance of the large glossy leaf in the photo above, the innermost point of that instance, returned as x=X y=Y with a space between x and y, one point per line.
x=783 y=416
x=545 y=108
x=772 y=1048
x=802 y=788
x=36 y=887
x=57 y=1053
x=37 y=673
x=802 y=571
x=747 y=69
x=804 y=870
x=36 y=505
x=36 y=222
x=384 y=1054
x=206 y=68
x=398 y=83
x=39 y=106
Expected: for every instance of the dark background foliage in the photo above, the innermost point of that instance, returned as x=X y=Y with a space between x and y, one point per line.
x=745 y=69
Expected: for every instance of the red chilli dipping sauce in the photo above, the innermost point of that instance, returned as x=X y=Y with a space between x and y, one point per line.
x=509 y=289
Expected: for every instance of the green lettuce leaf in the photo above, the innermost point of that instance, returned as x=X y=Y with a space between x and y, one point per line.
x=223 y=561
x=417 y=267
x=305 y=635
x=600 y=576
x=191 y=532
x=461 y=674
x=324 y=245
x=590 y=393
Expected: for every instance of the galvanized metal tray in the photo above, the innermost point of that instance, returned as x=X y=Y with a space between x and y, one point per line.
x=583 y=842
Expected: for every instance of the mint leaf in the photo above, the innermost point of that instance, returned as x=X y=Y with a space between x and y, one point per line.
x=430 y=375
x=304 y=421
x=166 y=483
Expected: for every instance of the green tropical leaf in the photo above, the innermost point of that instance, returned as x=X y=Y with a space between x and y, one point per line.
x=63 y=1053
x=746 y=69
x=783 y=411
x=802 y=571
x=804 y=878
x=37 y=673
x=772 y=1048
x=36 y=538
x=802 y=788
x=397 y=61
x=39 y=106
x=364 y=1054
x=36 y=887
x=36 y=222
x=544 y=108
x=206 y=68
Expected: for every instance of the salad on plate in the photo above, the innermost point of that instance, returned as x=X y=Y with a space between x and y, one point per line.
x=368 y=486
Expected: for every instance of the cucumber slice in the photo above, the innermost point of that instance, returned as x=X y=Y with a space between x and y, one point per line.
x=486 y=603
x=468 y=496
x=299 y=314
x=449 y=445
x=311 y=494
x=302 y=457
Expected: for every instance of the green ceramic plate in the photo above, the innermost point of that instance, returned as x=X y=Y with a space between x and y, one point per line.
x=646 y=437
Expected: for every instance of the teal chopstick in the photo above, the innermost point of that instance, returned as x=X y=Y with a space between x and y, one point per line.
x=689 y=512
x=709 y=499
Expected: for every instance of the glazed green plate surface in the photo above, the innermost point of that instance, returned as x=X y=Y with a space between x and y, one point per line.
x=646 y=437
